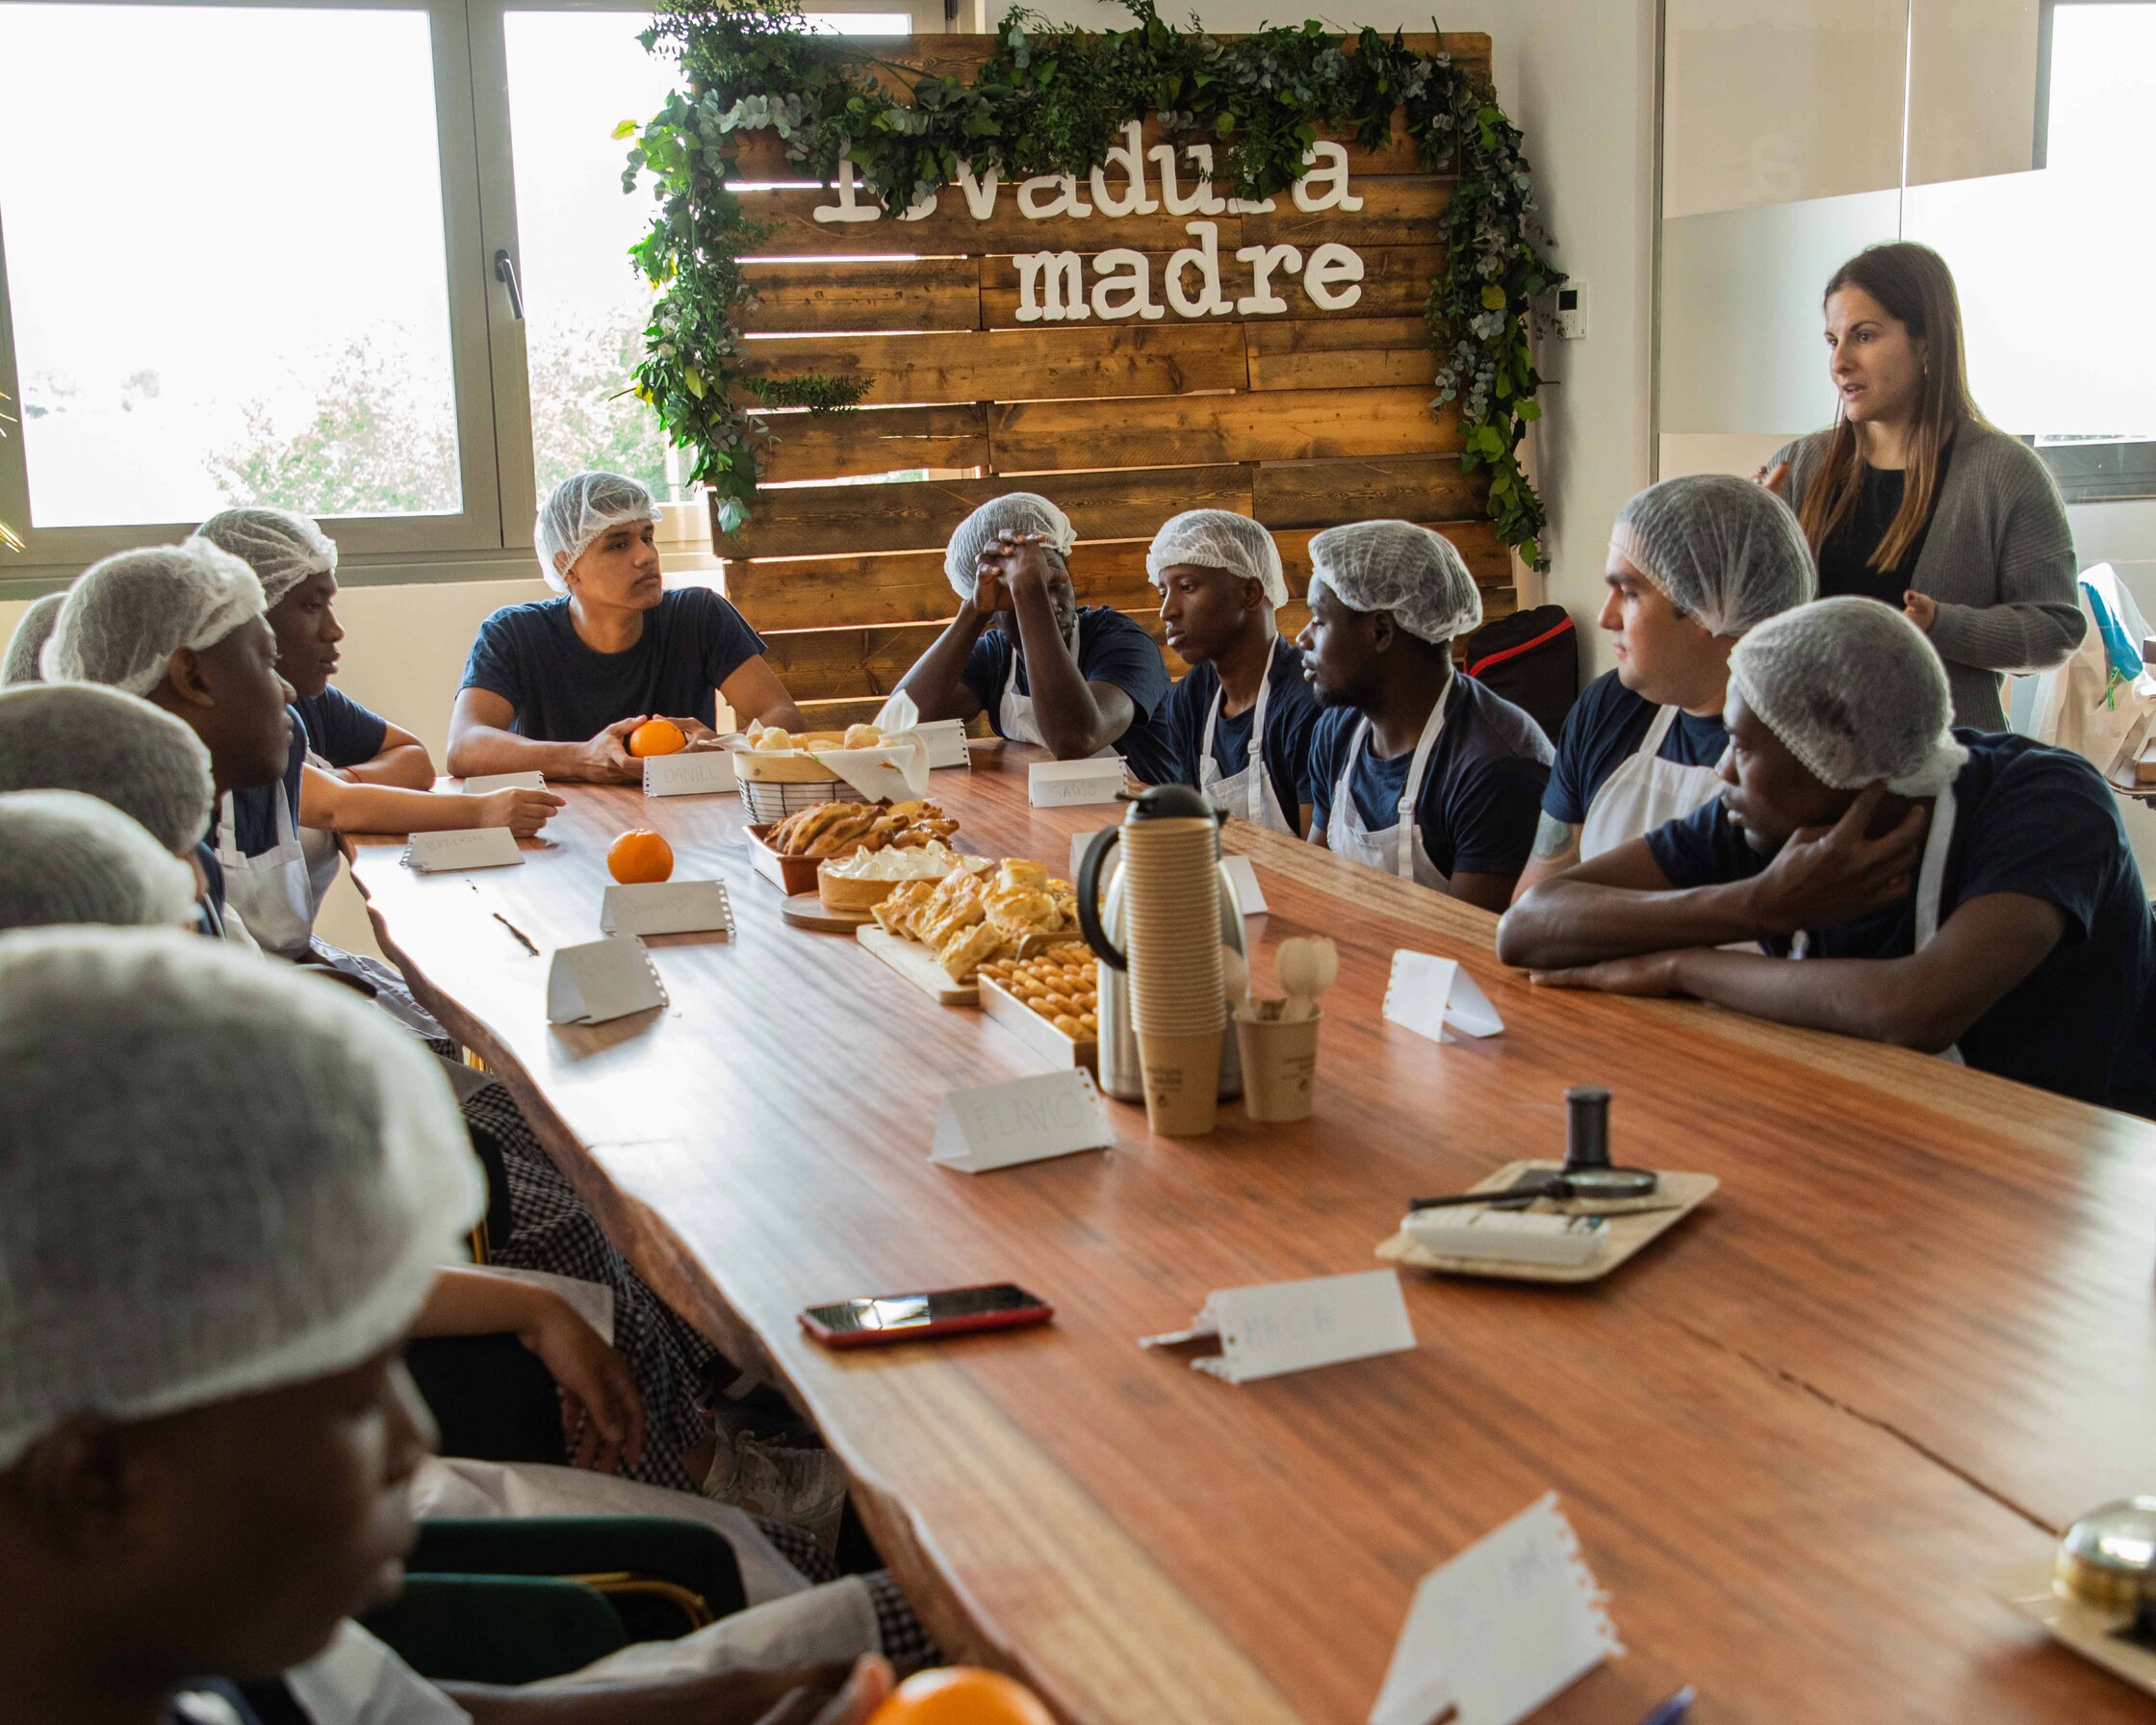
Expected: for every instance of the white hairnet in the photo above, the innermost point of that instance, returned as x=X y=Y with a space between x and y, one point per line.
x=116 y=748
x=1396 y=566
x=580 y=508
x=1725 y=551
x=67 y=858
x=282 y=548
x=127 y=615
x=1015 y=513
x=1855 y=692
x=218 y=1176
x=30 y=638
x=1219 y=539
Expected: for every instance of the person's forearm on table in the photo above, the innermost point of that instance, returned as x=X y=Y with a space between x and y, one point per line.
x=1566 y=922
x=479 y=749
x=937 y=676
x=332 y=805
x=1070 y=720
x=1882 y=1001
x=402 y=762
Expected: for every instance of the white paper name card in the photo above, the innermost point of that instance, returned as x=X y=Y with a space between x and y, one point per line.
x=946 y=742
x=601 y=980
x=1244 y=879
x=472 y=847
x=493 y=781
x=1273 y=1327
x=1434 y=997
x=1501 y=1629
x=667 y=908
x=1065 y=784
x=1081 y=843
x=1023 y=1120
x=691 y=773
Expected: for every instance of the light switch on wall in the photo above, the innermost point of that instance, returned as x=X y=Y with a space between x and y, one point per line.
x=1572 y=310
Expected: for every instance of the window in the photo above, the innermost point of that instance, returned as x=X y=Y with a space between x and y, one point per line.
x=285 y=274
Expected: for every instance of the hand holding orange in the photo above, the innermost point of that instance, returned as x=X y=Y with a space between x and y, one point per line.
x=960 y=1695
x=656 y=736
x=639 y=857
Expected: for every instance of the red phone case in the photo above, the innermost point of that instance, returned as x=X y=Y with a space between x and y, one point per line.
x=1019 y=1318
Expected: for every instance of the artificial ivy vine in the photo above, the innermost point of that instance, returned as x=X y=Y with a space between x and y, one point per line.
x=1052 y=100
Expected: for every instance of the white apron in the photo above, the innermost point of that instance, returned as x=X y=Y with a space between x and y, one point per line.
x=271 y=891
x=1249 y=793
x=1015 y=715
x=1398 y=847
x=1931 y=882
x=322 y=851
x=1645 y=792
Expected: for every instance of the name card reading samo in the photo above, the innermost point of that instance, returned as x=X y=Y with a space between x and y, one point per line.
x=1024 y=1119
x=472 y=847
x=487 y=782
x=692 y=773
x=601 y=980
x=667 y=908
x=1501 y=1629
x=1065 y=784
x=1434 y=996
x=1274 y=1327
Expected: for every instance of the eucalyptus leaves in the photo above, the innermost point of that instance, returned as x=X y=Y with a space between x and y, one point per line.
x=1053 y=101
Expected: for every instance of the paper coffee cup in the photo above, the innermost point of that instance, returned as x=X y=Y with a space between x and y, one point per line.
x=1182 y=1082
x=1279 y=1066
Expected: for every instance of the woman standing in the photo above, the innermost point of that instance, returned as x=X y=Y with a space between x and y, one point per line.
x=1913 y=498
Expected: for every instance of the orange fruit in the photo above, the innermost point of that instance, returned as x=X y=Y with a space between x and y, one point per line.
x=639 y=857
x=960 y=1695
x=656 y=736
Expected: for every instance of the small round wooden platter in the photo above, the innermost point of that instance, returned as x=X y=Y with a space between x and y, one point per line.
x=808 y=910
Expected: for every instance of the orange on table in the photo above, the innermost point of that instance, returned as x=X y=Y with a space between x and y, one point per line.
x=656 y=736
x=639 y=857
x=960 y=1695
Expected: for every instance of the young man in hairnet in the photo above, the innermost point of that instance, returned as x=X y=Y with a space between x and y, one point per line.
x=205 y=1455
x=1693 y=563
x=1965 y=894
x=556 y=687
x=1242 y=714
x=1077 y=681
x=1415 y=768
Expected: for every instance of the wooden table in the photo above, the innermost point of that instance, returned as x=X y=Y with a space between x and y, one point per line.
x=1909 y=1340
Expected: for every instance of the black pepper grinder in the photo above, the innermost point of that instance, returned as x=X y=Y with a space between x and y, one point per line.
x=1587 y=1171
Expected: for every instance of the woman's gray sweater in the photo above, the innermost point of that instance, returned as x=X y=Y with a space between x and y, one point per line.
x=1998 y=560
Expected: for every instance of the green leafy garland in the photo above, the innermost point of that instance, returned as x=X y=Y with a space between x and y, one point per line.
x=1052 y=102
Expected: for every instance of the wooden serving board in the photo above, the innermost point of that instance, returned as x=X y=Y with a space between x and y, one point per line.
x=1059 y=1050
x=1631 y=1228
x=2026 y=1589
x=808 y=910
x=916 y=963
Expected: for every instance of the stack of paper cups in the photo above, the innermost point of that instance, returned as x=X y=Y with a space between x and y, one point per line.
x=1172 y=934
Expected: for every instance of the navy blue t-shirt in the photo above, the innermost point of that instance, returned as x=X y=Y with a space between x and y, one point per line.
x=341 y=730
x=1110 y=649
x=565 y=692
x=1290 y=715
x=1604 y=729
x=254 y=812
x=1481 y=798
x=2029 y=819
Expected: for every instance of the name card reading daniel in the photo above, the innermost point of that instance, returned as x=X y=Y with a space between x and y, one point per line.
x=491 y=781
x=1273 y=1327
x=1023 y=1120
x=692 y=773
x=1065 y=784
x=601 y=980
x=473 y=847
x=1501 y=1629
x=667 y=908
x=1434 y=996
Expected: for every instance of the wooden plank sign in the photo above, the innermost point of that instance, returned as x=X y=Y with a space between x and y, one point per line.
x=1130 y=342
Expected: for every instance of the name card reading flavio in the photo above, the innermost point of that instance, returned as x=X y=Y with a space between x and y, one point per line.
x=1501 y=1629
x=693 y=773
x=473 y=847
x=601 y=980
x=1023 y=1120
x=667 y=908
x=1273 y=1327
x=1434 y=997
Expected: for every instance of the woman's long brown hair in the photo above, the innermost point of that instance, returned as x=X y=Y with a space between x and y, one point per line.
x=1914 y=285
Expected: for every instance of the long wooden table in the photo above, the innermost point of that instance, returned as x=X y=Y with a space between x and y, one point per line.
x=1910 y=1339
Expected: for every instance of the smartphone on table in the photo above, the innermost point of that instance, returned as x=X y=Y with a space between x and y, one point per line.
x=923 y=1317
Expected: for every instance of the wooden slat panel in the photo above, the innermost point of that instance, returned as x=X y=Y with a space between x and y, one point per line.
x=873 y=440
x=909 y=586
x=1270 y=425
x=1406 y=488
x=1396 y=284
x=951 y=230
x=1341 y=353
x=1397 y=211
x=1014 y=365
x=1122 y=504
x=919 y=294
